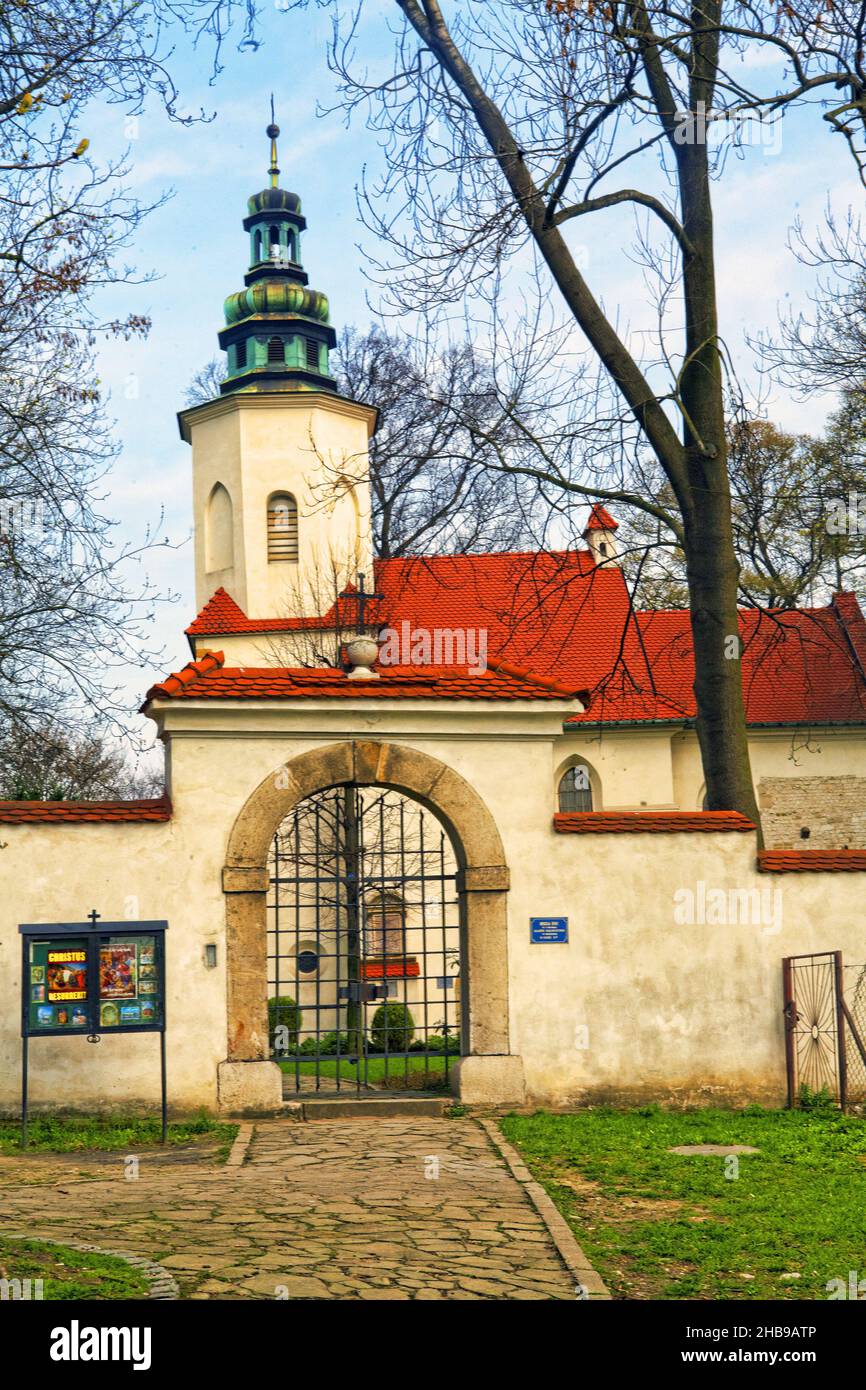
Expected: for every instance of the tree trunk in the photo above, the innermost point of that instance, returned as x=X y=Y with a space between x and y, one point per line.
x=711 y=564
x=697 y=467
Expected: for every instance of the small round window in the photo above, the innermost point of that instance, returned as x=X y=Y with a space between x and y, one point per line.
x=308 y=961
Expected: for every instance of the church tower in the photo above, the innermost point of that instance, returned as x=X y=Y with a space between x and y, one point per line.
x=281 y=493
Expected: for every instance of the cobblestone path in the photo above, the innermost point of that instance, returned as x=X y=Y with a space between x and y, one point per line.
x=354 y=1209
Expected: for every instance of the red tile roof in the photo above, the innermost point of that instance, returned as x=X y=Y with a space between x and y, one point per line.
x=222 y=616
x=398 y=969
x=558 y=614
x=640 y=822
x=207 y=679
x=70 y=812
x=192 y=671
x=600 y=520
x=812 y=861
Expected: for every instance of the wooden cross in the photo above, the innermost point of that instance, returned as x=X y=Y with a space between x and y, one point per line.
x=361 y=598
x=93 y=916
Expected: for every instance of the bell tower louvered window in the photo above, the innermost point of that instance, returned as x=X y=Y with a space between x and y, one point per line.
x=312 y=353
x=283 y=527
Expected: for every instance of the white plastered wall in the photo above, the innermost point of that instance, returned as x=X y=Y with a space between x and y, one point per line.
x=634 y=1005
x=309 y=444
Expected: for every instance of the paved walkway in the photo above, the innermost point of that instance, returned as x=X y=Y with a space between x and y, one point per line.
x=369 y=1209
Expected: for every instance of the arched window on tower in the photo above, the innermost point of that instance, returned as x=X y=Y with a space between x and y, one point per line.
x=283 y=527
x=218 y=531
x=276 y=351
x=240 y=354
x=257 y=247
x=575 y=790
x=311 y=349
x=274 y=240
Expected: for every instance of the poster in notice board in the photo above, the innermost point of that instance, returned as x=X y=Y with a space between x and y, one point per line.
x=130 y=982
x=93 y=982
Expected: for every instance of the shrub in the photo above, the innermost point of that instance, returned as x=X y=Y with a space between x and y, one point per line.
x=329 y=1043
x=283 y=1012
x=393 y=1028
x=436 y=1042
x=815 y=1100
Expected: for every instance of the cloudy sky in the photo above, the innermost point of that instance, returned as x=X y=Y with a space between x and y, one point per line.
x=197 y=249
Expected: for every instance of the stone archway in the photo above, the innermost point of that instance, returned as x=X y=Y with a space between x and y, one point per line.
x=489 y=1072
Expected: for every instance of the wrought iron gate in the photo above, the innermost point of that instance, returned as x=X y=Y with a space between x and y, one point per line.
x=364 y=945
x=825 y=1028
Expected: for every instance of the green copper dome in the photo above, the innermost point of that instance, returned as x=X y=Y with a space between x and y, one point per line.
x=276 y=199
x=277 y=335
x=276 y=297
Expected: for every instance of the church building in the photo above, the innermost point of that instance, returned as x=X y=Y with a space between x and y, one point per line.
x=437 y=822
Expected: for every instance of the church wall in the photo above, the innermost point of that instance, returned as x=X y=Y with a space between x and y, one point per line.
x=637 y=1004
x=641 y=1005
x=832 y=809
x=57 y=873
x=634 y=770
x=803 y=777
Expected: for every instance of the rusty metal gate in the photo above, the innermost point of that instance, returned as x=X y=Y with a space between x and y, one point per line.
x=825 y=1028
x=364 y=946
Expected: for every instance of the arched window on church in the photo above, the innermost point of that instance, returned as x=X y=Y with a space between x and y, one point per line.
x=257 y=247
x=274 y=240
x=575 y=790
x=283 y=527
x=311 y=349
x=276 y=350
x=240 y=354
x=218 y=531
x=384 y=927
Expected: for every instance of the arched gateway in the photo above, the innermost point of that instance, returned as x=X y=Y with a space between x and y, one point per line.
x=487 y=1071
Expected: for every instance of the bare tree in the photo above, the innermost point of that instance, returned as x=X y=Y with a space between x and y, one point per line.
x=504 y=123
x=446 y=416
x=790 y=510
x=48 y=763
x=206 y=382
x=71 y=608
x=441 y=423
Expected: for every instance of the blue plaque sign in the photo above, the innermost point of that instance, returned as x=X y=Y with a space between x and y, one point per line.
x=547 y=931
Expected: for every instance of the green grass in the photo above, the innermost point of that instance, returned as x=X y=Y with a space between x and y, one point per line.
x=70 y=1133
x=421 y=1077
x=662 y=1225
x=70 y=1274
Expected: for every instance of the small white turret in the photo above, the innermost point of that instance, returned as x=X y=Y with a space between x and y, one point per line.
x=600 y=535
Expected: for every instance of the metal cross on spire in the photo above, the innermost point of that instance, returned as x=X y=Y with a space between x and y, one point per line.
x=272 y=132
x=361 y=598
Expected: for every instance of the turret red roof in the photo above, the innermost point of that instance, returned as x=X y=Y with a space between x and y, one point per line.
x=600 y=520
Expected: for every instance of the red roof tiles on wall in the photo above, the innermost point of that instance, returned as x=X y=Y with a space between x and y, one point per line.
x=641 y=822
x=80 y=812
x=812 y=861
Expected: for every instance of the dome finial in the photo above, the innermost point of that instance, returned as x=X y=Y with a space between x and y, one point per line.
x=272 y=132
